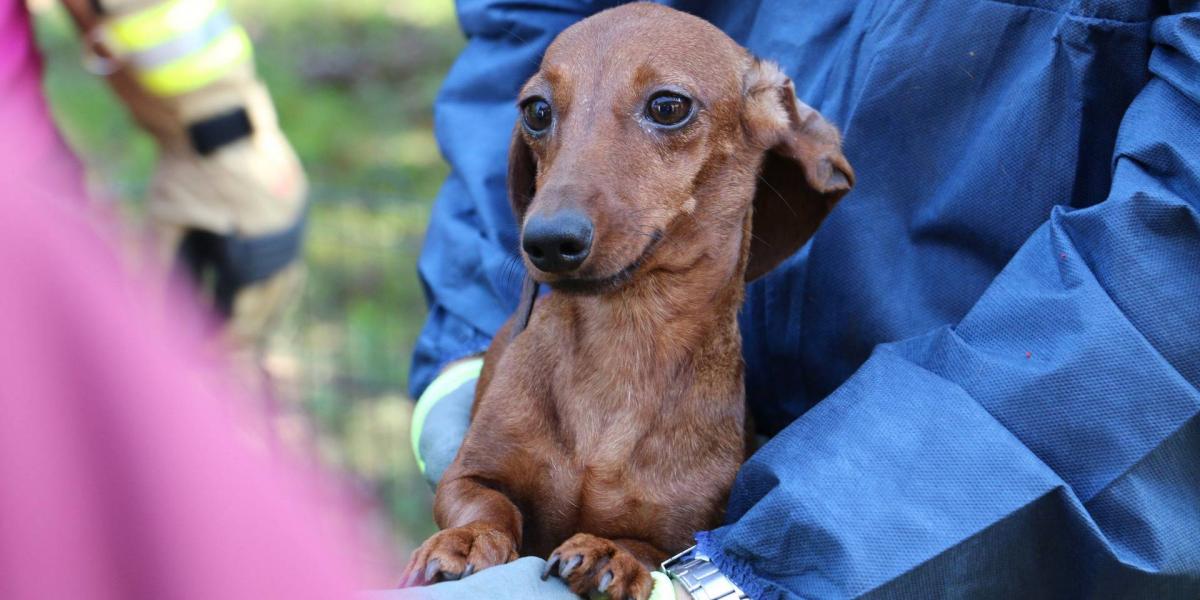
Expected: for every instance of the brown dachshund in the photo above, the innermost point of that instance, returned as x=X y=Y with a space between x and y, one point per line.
x=656 y=166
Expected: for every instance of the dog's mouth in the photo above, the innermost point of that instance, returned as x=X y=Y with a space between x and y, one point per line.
x=601 y=285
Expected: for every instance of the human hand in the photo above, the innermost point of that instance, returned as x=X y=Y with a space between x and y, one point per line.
x=442 y=416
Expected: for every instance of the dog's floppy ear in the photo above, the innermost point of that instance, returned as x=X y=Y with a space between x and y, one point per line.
x=522 y=183
x=522 y=174
x=803 y=174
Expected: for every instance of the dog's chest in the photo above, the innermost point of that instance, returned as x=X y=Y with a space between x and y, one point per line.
x=609 y=493
x=604 y=424
x=626 y=469
x=636 y=443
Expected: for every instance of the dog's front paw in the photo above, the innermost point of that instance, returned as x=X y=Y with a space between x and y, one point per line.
x=457 y=552
x=592 y=564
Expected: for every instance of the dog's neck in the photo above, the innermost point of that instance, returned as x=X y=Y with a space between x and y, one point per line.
x=671 y=321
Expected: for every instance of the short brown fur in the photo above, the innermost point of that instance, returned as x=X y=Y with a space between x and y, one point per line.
x=611 y=428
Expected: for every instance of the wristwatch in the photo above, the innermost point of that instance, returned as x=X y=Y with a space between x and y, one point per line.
x=700 y=577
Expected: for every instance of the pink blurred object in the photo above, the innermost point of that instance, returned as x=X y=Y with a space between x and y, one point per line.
x=125 y=470
x=29 y=143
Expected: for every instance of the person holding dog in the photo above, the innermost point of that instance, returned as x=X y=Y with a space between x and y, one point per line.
x=979 y=378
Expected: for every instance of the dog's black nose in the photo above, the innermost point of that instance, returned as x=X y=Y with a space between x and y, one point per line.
x=559 y=242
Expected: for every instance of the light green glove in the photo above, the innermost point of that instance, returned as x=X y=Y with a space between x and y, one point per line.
x=664 y=588
x=517 y=580
x=441 y=417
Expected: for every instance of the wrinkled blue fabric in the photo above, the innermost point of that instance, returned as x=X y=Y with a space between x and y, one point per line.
x=983 y=371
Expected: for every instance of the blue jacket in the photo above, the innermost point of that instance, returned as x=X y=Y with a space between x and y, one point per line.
x=983 y=371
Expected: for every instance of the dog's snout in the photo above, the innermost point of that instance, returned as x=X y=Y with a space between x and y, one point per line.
x=559 y=242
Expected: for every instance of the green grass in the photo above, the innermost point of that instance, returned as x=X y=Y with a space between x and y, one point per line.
x=353 y=82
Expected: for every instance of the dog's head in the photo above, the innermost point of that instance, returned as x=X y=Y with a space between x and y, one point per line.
x=644 y=140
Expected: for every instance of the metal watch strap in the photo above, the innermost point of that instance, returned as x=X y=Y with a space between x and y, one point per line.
x=700 y=577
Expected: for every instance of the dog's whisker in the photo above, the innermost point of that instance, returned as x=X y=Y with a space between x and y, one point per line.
x=777 y=194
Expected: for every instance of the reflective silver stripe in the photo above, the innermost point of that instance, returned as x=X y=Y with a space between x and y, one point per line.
x=184 y=44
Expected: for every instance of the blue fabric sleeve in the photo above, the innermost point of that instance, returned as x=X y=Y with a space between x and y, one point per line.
x=469 y=265
x=1046 y=446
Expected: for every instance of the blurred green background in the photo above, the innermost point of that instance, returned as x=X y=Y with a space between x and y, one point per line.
x=354 y=82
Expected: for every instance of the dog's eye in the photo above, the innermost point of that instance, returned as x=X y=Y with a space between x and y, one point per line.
x=536 y=115
x=669 y=109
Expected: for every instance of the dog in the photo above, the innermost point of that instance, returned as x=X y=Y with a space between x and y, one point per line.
x=655 y=168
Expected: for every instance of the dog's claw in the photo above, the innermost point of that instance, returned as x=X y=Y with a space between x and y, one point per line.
x=432 y=570
x=549 y=566
x=410 y=578
x=570 y=565
x=605 y=581
x=470 y=569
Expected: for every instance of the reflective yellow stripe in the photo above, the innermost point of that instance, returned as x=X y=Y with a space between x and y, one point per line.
x=184 y=44
x=178 y=46
x=158 y=24
x=200 y=69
